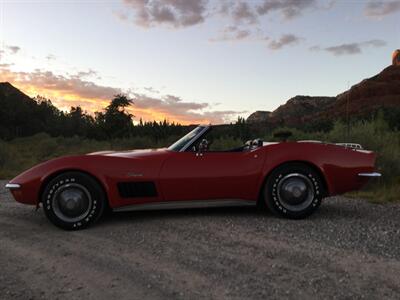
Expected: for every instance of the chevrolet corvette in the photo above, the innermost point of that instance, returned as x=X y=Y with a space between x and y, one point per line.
x=288 y=178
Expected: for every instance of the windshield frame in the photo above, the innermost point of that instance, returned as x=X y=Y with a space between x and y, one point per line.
x=177 y=147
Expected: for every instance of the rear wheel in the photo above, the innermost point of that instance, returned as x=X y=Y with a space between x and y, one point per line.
x=293 y=190
x=73 y=200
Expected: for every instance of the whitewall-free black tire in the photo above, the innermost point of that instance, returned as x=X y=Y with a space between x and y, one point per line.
x=293 y=190
x=73 y=200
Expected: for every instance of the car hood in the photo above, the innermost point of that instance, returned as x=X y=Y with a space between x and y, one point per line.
x=132 y=153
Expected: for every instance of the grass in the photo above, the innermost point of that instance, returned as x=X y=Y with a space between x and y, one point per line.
x=23 y=153
x=379 y=193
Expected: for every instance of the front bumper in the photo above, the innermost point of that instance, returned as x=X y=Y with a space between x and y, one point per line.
x=13 y=186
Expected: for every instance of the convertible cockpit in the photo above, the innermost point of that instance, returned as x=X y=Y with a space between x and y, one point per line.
x=198 y=141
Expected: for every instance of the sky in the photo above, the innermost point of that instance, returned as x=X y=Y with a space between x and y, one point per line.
x=193 y=61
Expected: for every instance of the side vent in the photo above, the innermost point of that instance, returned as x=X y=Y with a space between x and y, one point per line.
x=137 y=189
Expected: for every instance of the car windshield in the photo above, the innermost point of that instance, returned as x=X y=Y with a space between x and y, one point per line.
x=178 y=145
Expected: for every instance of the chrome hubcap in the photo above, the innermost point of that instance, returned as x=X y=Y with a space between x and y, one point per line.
x=72 y=202
x=295 y=191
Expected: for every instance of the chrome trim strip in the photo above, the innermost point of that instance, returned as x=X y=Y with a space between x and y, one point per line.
x=192 y=141
x=373 y=174
x=350 y=145
x=186 y=204
x=13 y=186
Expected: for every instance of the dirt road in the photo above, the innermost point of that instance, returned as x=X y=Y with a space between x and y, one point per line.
x=349 y=249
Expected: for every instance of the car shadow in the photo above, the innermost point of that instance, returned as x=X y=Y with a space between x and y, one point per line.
x=186 y=213
x=327 y=211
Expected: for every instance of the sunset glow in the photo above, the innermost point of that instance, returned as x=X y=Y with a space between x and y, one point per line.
x=203 y=62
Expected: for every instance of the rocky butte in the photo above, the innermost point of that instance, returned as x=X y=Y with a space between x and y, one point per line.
x=362 y=99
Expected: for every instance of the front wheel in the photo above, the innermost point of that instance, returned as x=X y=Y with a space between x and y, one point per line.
x=73 y=200
x=293 y=190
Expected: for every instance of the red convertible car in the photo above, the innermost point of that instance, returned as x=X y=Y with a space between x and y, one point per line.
x=289 y=178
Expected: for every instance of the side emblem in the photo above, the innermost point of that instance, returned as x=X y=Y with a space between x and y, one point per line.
x=133 y=174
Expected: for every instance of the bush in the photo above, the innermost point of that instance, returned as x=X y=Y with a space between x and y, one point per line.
x=5 y=153
x=376 y=135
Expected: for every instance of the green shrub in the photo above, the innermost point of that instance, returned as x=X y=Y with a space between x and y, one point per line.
x=4 y=153
x=22 y=153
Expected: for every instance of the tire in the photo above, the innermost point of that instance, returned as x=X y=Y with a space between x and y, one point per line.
x=293 y=191
x=73 y=201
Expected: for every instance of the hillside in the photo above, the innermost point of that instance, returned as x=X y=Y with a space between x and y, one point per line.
x=14 y=108
x=362 y=100
x=296 y=110
x=22 y=116
x=382 y=90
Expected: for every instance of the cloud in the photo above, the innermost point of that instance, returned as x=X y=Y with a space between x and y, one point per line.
x=250 y=11
x=381 y=8
x=87 y=74
x=232 y=33
x=151 y=90
x=243 y=12
x=51 y=57
x=239 y=12
x=9 y=50
x=73 y=90
x=63 y=90
x=350 y=48
x=13 y=49
x=283 y=41
x=173 y=13
x=174 y=108
x=186 y=13
x=6 y=53
x=6 y=65
x=289 y=9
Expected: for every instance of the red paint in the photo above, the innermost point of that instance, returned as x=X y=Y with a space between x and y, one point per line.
x=214 y=175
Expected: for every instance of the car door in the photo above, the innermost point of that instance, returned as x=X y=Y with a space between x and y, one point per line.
x=212 y=175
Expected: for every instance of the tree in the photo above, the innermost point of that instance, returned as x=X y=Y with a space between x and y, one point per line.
x=79 y=122
x=116 y=121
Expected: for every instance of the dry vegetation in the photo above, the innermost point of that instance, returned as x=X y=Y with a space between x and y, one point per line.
x=22 y=153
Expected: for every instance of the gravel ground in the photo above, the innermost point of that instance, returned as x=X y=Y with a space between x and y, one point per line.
x=348 y=249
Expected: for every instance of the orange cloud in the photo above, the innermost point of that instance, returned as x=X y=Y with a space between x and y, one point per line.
x=76 y=90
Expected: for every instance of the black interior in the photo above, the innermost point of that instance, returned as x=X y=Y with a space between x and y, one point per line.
x=249 y=145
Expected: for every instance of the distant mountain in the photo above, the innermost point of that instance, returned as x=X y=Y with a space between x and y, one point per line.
x=363 y=99
x=8 y=91
x=259 y=116
x=17 y=112
x=22 y=116
x=294 y=111
x=380 y=91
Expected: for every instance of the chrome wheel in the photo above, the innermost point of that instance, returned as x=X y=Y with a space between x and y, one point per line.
x=72 y=202
x=295 y=192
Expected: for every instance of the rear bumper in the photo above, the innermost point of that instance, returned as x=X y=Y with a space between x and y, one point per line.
x=371 y=174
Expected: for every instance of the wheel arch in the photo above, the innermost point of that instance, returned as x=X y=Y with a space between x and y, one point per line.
x=304 y=162
x=54 y=174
